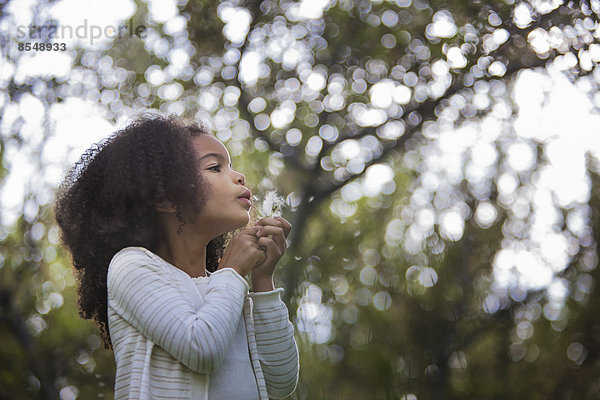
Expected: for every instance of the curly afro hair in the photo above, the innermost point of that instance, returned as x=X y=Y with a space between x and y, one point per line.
x=107 y=201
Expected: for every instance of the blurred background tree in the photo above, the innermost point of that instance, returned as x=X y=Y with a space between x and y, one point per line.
x=444 y=242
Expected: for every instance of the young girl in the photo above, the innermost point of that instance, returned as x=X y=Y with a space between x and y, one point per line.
x=153 y=218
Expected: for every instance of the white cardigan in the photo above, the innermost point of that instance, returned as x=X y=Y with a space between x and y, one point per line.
x=167 y=338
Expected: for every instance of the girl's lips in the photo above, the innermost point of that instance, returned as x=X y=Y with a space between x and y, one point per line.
x=247 y=194
x=245 y=201
x=246 y=197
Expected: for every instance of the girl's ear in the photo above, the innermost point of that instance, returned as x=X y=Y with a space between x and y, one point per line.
x=165 y=206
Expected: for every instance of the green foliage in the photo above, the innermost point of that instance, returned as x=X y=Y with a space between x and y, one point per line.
x=46 y=344
x=388 y=301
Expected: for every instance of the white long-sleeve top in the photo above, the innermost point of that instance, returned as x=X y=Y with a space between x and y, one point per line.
x=169 y=337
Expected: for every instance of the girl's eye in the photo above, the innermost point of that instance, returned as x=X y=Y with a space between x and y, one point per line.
x=216 y=168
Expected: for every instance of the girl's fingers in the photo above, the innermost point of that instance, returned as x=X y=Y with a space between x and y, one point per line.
x=287 y=227
x=243 y=253
x=250 y=231
x=277 y=235
x=276 y=221
x=260 y=257
x=268 y=221
x=270 y=246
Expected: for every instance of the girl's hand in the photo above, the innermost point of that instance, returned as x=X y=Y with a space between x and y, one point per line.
x=271 y=236
x=243 y=252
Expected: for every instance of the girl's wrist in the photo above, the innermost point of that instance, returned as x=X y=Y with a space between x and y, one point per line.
x=262 y=283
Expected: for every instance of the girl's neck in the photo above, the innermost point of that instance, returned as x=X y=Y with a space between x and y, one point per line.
x=185 y=250
x=192 y=262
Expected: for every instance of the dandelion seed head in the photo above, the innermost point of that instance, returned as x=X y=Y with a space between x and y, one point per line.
x=273 y=204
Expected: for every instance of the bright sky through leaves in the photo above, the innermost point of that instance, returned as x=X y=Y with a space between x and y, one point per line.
x=544 y=101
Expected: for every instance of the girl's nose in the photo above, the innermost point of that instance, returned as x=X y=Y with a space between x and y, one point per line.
x=241 y=178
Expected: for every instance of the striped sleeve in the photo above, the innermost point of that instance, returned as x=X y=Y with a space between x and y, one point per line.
x=149 y=296
x=275 y=342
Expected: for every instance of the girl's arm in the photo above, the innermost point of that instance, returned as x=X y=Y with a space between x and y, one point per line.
x=150 y=297
x=275 y=343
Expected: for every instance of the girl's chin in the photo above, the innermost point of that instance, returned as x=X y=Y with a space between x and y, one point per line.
x=225 y=226
x=244 y=221
x=239 y=223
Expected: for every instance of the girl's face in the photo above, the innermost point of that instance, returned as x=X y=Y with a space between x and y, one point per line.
x=227 y=198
